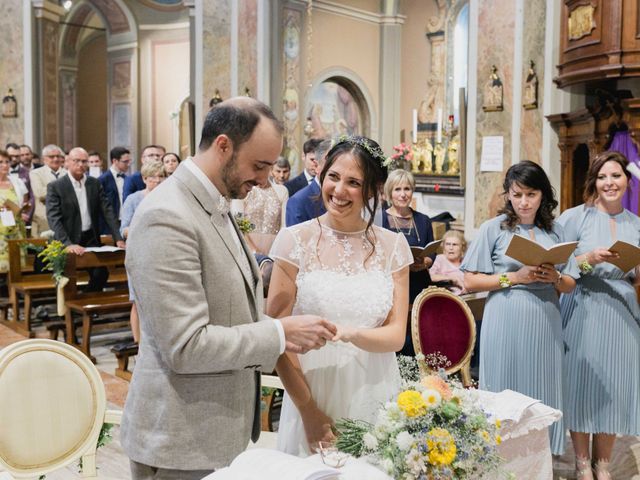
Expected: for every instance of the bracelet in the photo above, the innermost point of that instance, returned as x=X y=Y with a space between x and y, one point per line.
x=504 y=281
x=585 y=267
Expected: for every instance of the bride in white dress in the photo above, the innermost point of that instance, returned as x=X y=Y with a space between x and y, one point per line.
x=354 y=274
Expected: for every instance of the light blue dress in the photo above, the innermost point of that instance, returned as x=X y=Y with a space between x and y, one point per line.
x=129 y=207
x=601 y=321
x=521 y=338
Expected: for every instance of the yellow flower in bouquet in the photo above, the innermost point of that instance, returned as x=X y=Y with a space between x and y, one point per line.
x=435 y=382
x=412 y=403
x=442 y=447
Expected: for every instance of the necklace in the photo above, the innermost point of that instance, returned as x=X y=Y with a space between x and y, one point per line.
x=412 y=227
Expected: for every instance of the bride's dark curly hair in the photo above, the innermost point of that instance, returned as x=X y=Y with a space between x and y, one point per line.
x=530 y=175
x=371 y=161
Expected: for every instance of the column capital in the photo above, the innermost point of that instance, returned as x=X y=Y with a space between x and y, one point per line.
x=48 y=9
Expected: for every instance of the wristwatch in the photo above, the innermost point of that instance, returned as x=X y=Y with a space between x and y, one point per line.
x=504 y=281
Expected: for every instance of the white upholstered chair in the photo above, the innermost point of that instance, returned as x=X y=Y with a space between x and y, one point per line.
x=52 y=408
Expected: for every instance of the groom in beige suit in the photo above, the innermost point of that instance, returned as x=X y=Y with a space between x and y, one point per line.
x=194 y=400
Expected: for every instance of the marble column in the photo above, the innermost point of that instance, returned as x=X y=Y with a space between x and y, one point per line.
x=47 y=25
x=12 y=71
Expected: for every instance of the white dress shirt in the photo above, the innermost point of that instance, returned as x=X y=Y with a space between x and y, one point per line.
x=215 y=194
x=81 y=194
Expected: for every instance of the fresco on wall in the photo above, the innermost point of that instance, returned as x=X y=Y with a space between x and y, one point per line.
x=334 y=111
x=290 y=96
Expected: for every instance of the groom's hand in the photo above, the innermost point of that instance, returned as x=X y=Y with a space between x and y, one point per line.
x=306 y=332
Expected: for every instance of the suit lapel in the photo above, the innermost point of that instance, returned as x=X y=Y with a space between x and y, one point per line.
x=219 y=223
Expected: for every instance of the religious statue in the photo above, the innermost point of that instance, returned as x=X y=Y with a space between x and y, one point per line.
x=493 y=92
x=9 y=105
x=422 y=157
x=439 y=153
x=531 y=88
x=454 y=166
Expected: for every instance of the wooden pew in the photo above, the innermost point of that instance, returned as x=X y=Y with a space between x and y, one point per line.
x=22 y=281
x=93 y=306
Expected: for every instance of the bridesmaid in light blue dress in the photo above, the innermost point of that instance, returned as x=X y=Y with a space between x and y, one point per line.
x=601 y=321
x=521 y=336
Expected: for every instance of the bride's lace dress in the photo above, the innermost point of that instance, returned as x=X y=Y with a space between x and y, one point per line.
x=341 y=279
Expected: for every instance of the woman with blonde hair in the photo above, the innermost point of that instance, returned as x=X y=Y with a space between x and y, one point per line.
x=416 y=228
x=446 y=266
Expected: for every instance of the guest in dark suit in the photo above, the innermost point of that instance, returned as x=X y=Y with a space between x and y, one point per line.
x=75 y=203
x=307 y=203
x=134 y=183
x=112 y=182
x=310 y=167
x=18 y=170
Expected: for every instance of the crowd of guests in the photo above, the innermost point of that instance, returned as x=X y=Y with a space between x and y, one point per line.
x=567 y=334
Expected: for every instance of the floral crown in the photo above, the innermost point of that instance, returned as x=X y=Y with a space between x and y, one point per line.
x=373 y=149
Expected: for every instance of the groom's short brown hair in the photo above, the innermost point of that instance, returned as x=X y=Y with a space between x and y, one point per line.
x=236 y=118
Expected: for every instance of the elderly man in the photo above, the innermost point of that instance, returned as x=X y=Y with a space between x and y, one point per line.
x=40 y=178
x=75 y=204
x=134 y=183
x=195 y=397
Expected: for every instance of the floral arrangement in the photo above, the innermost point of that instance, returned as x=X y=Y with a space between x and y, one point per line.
x=54 y=257
x=401 y=157
x=433 y=429
x=244 y=224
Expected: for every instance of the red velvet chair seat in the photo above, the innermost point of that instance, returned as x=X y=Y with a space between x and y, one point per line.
x=442 y=323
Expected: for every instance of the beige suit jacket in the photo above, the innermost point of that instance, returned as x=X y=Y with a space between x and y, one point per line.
x=40 y=178
x=194 y=396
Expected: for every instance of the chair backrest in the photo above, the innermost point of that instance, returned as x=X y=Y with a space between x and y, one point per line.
x=441 y=322
x=17 y=271
x=52 y=407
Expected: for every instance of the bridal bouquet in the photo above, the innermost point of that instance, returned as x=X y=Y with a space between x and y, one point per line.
x=433 y=429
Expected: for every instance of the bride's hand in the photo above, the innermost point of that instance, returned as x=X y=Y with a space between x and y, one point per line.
x=317 y=427
x=344 y=334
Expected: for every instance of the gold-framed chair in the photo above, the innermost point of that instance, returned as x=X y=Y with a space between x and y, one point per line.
x=52 y=408
x=441 y=322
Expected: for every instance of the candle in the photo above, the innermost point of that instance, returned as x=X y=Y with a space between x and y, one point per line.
x=414 y=133
x=439 y=136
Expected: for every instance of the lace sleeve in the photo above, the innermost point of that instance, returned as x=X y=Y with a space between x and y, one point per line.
x=401 y=256
x=287 y=247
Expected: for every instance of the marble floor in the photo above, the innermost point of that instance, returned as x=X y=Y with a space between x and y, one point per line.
x=113 y=463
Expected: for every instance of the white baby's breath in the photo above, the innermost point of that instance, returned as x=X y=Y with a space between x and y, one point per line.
x=370 y=441
x=405 y=440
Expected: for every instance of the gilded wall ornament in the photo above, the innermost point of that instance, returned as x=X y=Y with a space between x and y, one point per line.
x=581 y=21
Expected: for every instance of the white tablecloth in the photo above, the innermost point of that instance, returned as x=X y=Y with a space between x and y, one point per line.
x=524 y=431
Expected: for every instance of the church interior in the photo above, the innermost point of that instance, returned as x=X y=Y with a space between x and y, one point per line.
x=468 y=87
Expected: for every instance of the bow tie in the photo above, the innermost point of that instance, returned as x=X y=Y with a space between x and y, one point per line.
x=223 y=205
x=121 y=175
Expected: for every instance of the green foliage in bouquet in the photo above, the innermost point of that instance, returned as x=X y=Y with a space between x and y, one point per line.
x=54 y=257
x=244 y=224
x=433 y=429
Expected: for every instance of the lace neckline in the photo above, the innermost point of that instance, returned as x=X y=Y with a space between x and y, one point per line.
x=340 y=232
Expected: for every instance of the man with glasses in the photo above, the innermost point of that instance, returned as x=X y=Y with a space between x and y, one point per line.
x=112 y=182
x=40 y=178
x=134 y=183
x=75 y=203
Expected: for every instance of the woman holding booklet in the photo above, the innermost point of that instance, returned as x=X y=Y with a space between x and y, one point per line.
x=417 y=229
x=601 y=320
x=521 y=336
